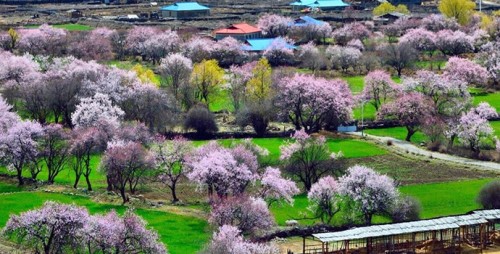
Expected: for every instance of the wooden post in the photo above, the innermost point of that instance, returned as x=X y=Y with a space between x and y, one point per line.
x=347 y=246
x=414 y=244
x=368 y=245
x=303 y=244
x=481 y=236
x=322 y=247
x=327 y=247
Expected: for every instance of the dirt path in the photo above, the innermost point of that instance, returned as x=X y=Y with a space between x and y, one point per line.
x=401 y=146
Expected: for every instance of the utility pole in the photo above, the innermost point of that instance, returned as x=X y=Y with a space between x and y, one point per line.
x=362 y=118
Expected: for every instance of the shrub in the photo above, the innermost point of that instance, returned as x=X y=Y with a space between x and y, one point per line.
x=257 y=115
x=489 y=196
x=405 y=209
x=200 y=119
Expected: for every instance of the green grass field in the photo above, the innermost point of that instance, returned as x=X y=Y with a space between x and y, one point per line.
x=492 y=98
x=398 y=133
x=496 y=127
x=351 y=148
x=69 y=27
x=5 y=187
x=67 y=176
x=181 y=234
x=448 y=198
x=368 y=113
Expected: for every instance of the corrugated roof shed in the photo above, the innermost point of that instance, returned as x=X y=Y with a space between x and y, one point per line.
x=478 y=217
x=185 y=6
x=493 y=214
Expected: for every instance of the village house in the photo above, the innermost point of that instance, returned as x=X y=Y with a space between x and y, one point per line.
x=260 y=45
x=184 y=10
x=242 y=32
x=324 y=5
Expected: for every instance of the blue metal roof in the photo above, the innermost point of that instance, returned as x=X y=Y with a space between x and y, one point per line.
x=262 y=44
x=303 y=2
x=328 y=3
x=306 y=20
x=185 y=6
x=320 y=3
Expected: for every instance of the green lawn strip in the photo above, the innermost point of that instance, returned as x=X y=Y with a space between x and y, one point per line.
x=447 y=198
x=437 y=199
x=496 y=127
x=367 y=113
x=67 y=175
x=181 y=234
x=351 y=148
x=398 y=133
x=491 y=98
x=69 y=27
x=9 y=187
x=356 y=83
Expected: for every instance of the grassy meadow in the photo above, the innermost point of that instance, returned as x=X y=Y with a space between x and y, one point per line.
x=68 y=26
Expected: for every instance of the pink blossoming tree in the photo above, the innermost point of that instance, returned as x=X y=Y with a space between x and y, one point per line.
x=228 y=239
x=126 y=164
x=374 y=193
x=273 y=25
x=379 y=87
x=51 y=229
x=170 y=157
x=324 y=198
x=248 y=214
x=18 y=146
x=466 y=71
x=474 y=128
x=307 y=157
x=410 y=110
x=309 y=102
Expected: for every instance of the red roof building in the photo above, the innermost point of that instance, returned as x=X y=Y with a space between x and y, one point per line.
x=240 y=32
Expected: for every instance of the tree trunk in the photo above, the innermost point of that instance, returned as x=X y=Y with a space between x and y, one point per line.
x=110 y=187
x=174 y=194
x=368 y=219
x=409 y=134
x=20 y=177
x=77 y=179
x=124 y=195
x=89 y=186
x=307 y=185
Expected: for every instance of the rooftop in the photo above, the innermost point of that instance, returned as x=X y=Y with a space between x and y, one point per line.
x=451 y=222
x=262 y=44
x=184 y=6
x=328 y=3
x=306 y=20
x=320 y=3
x=242 y=28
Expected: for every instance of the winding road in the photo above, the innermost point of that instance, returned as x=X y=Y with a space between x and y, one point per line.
x=403 y=147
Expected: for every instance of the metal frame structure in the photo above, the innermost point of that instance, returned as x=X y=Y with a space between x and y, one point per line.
x=440 y=235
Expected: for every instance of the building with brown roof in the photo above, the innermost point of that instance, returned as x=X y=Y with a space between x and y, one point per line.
x=242 y=32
